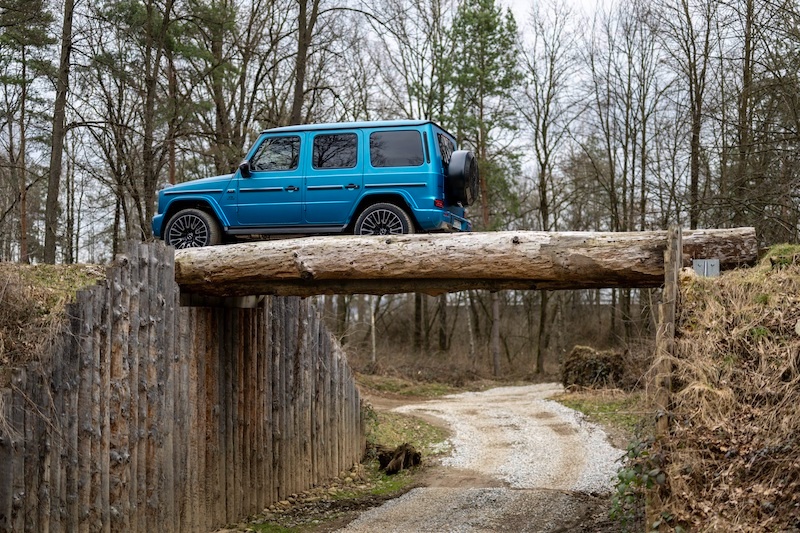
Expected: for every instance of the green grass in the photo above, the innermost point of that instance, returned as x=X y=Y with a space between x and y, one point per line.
x=393 y=429
x=272 y=527
x=379 y=484
x=405 y=387
x=61 y=280
x=784 y=249
x=624 y=411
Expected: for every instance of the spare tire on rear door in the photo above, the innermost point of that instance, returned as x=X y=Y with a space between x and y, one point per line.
x=461 y=185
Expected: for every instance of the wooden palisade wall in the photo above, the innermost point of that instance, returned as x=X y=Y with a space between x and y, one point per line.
x=152 y=417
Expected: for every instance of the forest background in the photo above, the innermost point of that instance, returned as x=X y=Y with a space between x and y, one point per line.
x=634 y=116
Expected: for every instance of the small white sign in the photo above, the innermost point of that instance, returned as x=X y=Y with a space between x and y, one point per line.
x=706 y=267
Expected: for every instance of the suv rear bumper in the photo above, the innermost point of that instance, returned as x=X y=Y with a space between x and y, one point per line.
x=441 y=220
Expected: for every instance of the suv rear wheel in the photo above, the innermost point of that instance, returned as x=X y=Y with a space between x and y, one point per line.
x=383 y=219
x=192 y=228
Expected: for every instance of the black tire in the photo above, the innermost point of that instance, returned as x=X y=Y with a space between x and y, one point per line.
x=192 y=228
x=383 y=219
x=461 y=185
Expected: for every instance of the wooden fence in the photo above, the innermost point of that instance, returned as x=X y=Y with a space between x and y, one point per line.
x=148 y=416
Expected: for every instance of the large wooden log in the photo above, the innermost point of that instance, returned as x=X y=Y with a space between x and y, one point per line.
x=438 y=263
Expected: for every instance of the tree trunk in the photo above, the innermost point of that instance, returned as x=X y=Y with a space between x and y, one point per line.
x=154 y=51
x=471 y=325
x=745 y=113
x=23 y=181
x=59 y=132
x=306 y=21
x=341 y=317
x=443 y=323
x=417 y=322
x=495 y=337
x=541 y=336
x=70 y=245
x=524 y=260
x=373 y=343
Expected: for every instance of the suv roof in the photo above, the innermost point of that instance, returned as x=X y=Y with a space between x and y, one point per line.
x=354 y=125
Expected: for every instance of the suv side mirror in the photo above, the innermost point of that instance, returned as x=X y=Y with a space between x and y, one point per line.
x=244 y=168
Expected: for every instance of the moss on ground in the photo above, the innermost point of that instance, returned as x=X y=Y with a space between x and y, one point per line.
x=405 y=387
x=621 y=410
x=32 y=303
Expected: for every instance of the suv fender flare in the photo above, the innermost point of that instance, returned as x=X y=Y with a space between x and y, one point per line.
x=203 y=202
x=400 y=198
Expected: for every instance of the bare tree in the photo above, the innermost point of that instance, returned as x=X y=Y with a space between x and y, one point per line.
x=59 y=132
x=411 y=59
x=686 y=28
x=546 y=106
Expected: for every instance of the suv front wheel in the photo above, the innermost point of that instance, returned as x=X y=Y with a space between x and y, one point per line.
x=192 y=228
x=383 y=219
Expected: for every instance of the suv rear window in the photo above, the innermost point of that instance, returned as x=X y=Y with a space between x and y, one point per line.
x=335 y=151
x=446 y=148
x=395 y=149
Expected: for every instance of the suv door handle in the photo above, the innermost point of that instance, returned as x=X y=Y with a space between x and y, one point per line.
x=292 y=188
x=351 y=186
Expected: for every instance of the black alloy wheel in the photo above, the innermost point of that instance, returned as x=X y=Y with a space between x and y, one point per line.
x=384 y=219
x=192 y=228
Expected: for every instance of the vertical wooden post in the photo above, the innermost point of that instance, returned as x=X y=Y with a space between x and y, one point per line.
x=142 y=356
x=665 y=335
x=119 y=401
x=278 y=401
x=130 y=387
x=269 y=424
x=6 y=454
x=192 y=381
x=19 y=380
x=31 y=446
x=166 y=343
x=84 y=408
x=104 y=421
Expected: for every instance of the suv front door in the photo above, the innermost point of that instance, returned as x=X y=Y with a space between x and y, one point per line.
x=273 y=195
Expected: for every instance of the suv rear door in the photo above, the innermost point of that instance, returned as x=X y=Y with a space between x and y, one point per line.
x=398 y=161
x=334 y=177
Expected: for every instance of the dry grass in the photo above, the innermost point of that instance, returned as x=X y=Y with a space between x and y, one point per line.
x=32 y=303
x=733 y=456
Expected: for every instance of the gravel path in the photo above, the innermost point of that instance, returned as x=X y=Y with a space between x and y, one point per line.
x=520 y=462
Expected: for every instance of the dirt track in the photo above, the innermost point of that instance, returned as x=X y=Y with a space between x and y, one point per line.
x=519 y=463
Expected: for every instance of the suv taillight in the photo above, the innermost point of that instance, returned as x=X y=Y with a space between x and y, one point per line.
x=438 y=203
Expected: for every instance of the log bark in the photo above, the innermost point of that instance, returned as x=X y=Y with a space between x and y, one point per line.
x=439 y=263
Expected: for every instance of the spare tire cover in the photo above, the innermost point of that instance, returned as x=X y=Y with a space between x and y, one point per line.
x=461 y=185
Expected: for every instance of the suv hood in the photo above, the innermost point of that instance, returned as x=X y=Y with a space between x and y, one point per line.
x=212 y=184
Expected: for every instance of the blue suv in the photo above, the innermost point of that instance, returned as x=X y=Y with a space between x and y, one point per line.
x=367 y=178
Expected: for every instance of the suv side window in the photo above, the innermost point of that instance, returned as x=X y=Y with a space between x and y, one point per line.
x=277 y=153
x=446 y=148
x=395 y=149
x=338 y=150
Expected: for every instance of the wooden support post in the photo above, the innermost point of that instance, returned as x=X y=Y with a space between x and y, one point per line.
x=665 y=335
